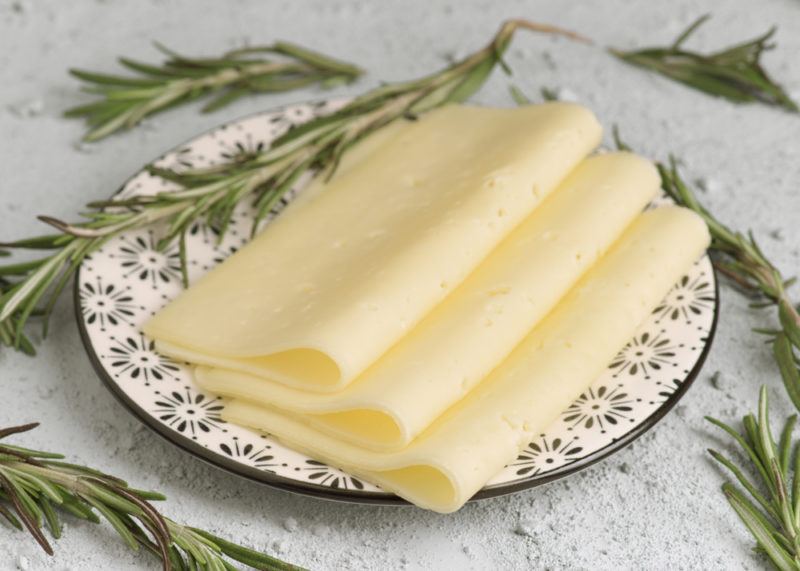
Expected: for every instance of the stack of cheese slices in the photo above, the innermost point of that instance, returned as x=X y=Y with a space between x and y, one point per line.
x=421 y=317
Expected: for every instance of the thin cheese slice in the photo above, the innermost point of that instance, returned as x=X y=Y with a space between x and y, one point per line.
x=474 y=439
x=477 y=326
x=327 y=288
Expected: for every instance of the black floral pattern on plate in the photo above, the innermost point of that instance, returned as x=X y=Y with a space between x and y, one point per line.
x=646 y=353
x=324 y=475
x=666 y=390
x=299 y=114
x=140 y=258
x=242 y=150
x=204 y=231
x=543 y=454
x=687 y=300
x=183 y=158
x=137 y=358
x=189 y=412
x=600 y=407
x=106 y=304
x=220 y=256
x=260 y=457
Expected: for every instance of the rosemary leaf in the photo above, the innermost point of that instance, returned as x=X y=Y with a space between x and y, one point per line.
x=225 y=98
x=115 y=521
x=78 y=509
x=785 y=445
x=788 y=319
x=784 y=356
x=49 y=242
x=473 y=80
x=734 y=73
x=6 y=513
x=549 y=94
x=763 y=533
x=518 y=96
x=796 y=485
x=51 y=517
x=14 y=497
x=744 y=481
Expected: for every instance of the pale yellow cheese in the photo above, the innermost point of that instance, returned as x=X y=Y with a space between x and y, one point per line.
x=478 y=325
x=475 y=438
x=332 y=284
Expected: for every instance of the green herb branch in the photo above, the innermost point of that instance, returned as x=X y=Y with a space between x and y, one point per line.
x=734 y=73
x=739 y=257
x=126 y=100
x=30 y=289
x=36 y=486
x=768 y=496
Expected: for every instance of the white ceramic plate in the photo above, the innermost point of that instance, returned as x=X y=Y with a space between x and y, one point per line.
x=125 y=282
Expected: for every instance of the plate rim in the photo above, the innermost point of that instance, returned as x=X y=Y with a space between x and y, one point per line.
x=276 y=481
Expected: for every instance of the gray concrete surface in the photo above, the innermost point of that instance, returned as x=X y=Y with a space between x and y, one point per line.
x=656 y=505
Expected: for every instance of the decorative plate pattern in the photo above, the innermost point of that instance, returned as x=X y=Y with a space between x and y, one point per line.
x=127 y=280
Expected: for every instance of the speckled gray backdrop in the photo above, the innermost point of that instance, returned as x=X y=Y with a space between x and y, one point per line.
x=655 y=505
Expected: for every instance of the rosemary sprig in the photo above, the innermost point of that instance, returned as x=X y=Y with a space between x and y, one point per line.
x=31 y=288
x=734 y=73
x=126 y=100
x=772 y=510
x=36 y=486
x=739 y=258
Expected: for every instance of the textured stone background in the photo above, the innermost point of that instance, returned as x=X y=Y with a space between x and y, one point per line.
x=656 y=505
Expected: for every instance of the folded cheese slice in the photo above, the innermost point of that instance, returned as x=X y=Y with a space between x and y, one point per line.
x=476 y=327
x=330 y=285
x=475 y=438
